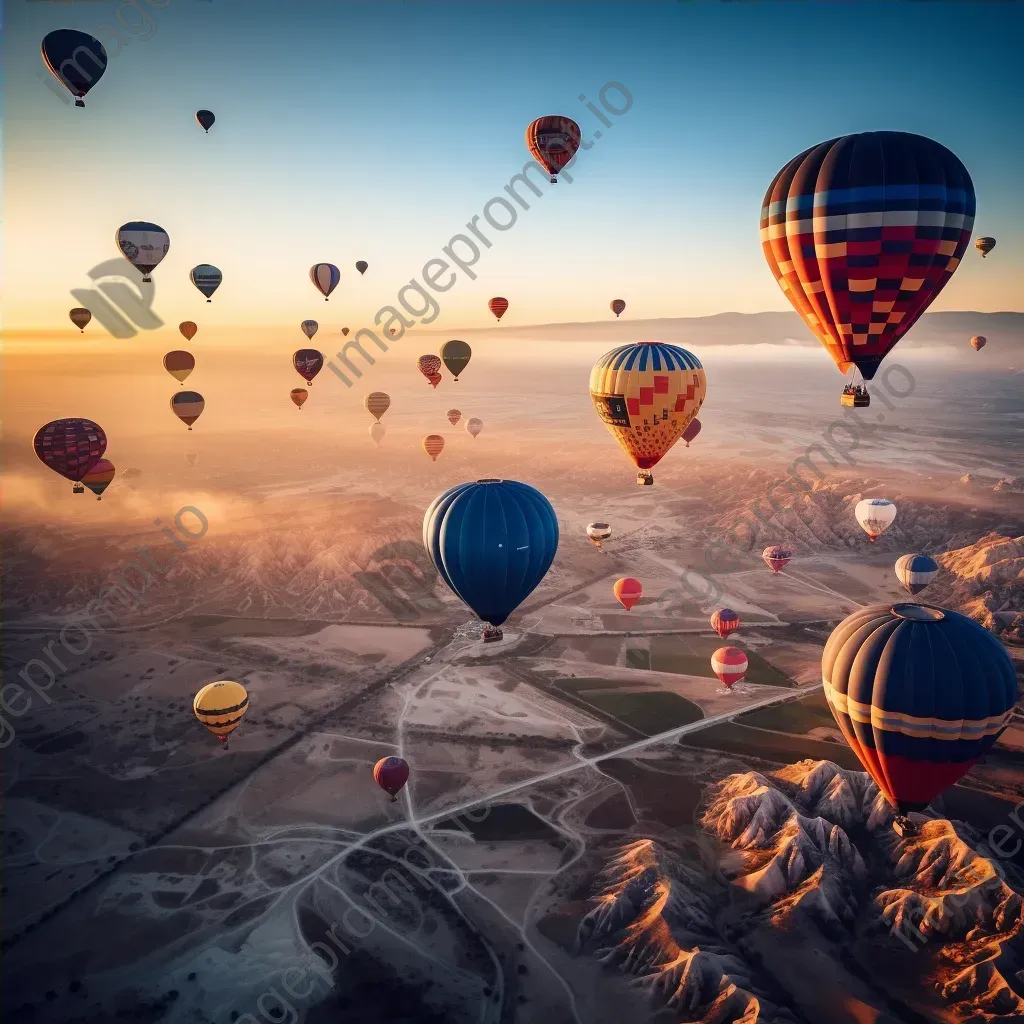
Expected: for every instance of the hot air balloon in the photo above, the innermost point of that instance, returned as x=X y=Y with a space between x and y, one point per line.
x=394 y=331
x=985 y=245
x=862 y=232
x=729 y=664
x=777 y=557
x=187 y=406
x=377 y=432
x=627 y=591
x=391 y=774
x=474 y=425
x=978 y=342
x=206 y=278
x=875 y=516
x=492 y=542
x=70 y=447
x=428 y=365
x=80 y=317
x=309 y=328
x=647 y=393
x=915 y=572
x=454 y=416
x=691 y=431
x=598 y=532
x=617 y=306
x=435 y=379
x=552 y=141
x=179 y=364
x=188 y=329
x=143 y=245
x=919 y=693
x=221 y=706
x=433 y=445
x=205 y=118
x=362 y=266
x=344 y=332
x=191 y=458
x=325 y=278
x=131 y=477
x=498 y=306
x=76 y=59
x=725 y=621
x=99 y=476
x=308 y=362
x=299 y=396
x=377 y=403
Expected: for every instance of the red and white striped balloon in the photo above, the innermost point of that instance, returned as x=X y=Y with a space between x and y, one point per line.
x=729 y=664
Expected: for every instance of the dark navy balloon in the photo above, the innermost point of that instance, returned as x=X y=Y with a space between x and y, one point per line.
x=920 y=694
x=76 y=59
x=492 y=541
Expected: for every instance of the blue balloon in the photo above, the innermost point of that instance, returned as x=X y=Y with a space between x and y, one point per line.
x=492 y=542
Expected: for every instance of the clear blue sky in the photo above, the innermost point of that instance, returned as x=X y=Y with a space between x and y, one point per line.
x=376 y=130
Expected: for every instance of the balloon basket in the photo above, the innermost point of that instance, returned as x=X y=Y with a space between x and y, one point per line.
x=644 y=478
x=903 y=826
x=855 y=401
x=79 y=103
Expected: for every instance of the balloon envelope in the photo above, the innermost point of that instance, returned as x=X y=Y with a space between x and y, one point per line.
x=377 y=432
x=206 y=278
x=724 y=621
x=391 y=774
x=76 y=59
x=344 y=332
x=552 y=141
x=362 y=266
x=433 y=445
x=205 y=119
x=627 y=591
x=70 y=447
x=299 y=396
x=428 y=365
x=861 y=233
x=474 y=425
x=777 y=556
x=646 y=393
x=187 y=406
x=498 y=306
x=915 y=572
x=188 y=329
x=434 y=378
x=377 y=403
x=309 y=328
x=598 y=532
x=454 y=415
x=920 y=693
x=221 y=706
x=875 y=516
x=978 y=342
x=179 y=364
x=691 y=431
x=99 y=476
x=143 y=245
x=617 y=306
x=729 y=664
x=985 y=245
x=308 y=362
x=80 y=317
x=325 y=278
x=492 y=541
x=456 y=356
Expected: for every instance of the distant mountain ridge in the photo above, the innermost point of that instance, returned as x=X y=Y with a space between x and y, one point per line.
x=1004 y=330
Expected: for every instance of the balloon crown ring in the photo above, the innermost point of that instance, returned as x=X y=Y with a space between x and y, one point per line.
x=918 y=612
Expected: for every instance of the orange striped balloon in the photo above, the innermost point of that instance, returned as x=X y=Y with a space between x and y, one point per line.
x=454 y=415
x=377 y=403
x=188 y=406
x=299 y=396
x=433 y=445
x=99 y=476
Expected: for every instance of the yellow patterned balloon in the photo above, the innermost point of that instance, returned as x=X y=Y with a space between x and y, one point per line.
x=646 y=394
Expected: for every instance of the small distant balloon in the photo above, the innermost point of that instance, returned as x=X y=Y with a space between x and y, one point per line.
x=474 y=425
x=598 y=532
x=978 y=342
x=205 y=119
x=456 y=356
x=875 y=516
x=915 y=572
x=344 y=332
x=299 y=396
x=325 y=278
x=187 y=406
x=308 y=362
x=131 y=477
x=377 y=432
x=362 y=266
x=627 y=591
x=498 y=306
x=394 y=331
x=80 y=317
x=729 y=664
x=691 y=431
x=391 y=774
x=143 y=245
x=429 y=365
x=220 y=707
x=985 y=245
x=309 y=328
x=434 y=378
x=188 y=329
x=191 y=458
x=377 y=403
x=617 y=306
x=179 y=364
x=724 y=621
x=776 y=557
x=552 y=141
x=206 y=278
x=433 y=445
x=454 y=416
x=76 y=59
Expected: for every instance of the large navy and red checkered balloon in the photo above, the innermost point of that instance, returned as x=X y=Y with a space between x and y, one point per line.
x=862 y=232
x=70 y=446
